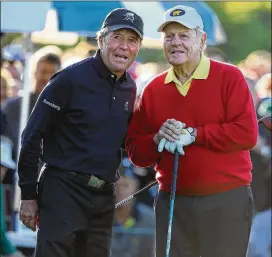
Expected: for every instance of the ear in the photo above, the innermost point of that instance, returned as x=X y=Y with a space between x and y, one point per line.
x=100 y=41
x=203 y=42
x=203 y=38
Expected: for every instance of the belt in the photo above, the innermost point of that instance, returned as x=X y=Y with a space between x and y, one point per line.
x=90 y=180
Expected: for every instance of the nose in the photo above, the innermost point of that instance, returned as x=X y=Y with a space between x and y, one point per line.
x=176 y=40
x=124 y=44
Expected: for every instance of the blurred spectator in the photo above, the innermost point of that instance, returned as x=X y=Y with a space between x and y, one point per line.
x=216 y=54
x=260 y=180
x=3 y=123
x=46 y=66
x=263 y=105
x=91 y=52
x=256 y=64
x=6 y=81
x=261 y=153
x=85 y=49
x=260 y=237
x=13 y=56
x=72 y=56
x=14 y=71
x=134 y=222
x=263 y=86
x=15 y=88
x=93 y=45
x=81 y=51
x=6 y=248
x=4 y=90
x=13 y=53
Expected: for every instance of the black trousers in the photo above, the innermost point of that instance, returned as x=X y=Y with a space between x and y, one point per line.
x=75 y=219
x=215 y=225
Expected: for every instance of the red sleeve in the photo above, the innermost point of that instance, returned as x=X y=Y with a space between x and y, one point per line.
x=141 y=148
x=240 y=130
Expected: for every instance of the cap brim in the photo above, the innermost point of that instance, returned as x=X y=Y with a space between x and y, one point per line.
x=162 y=26
x=124 y=26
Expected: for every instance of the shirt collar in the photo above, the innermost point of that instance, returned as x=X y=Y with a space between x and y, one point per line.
x=201 y=72
x=103 y=69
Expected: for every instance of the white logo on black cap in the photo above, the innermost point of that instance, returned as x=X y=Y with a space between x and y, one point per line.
x=129 y=16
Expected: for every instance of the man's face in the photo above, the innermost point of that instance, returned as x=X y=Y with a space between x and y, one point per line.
x=125 y=187
x=119 y=49
x=44 y=71
x=181 y=44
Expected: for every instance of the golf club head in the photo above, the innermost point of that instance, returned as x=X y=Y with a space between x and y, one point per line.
x=266 y=121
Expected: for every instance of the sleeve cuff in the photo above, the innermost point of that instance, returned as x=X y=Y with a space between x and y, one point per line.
x=154 y=146
x=200 y=136
x=29 y=192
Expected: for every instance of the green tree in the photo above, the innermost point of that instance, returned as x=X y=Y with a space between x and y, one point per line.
x=247 y=25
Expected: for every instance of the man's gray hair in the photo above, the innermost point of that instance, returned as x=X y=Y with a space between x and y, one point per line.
x=101 y=33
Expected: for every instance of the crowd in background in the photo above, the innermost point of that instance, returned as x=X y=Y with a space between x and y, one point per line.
x=134 y=222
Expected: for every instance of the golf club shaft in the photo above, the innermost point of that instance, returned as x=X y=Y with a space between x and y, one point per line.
x=172 y=203
x=135 y=194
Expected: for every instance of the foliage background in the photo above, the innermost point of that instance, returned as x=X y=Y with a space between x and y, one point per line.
x=247 y=25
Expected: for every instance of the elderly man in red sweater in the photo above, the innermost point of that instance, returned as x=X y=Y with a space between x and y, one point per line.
x=213 y=207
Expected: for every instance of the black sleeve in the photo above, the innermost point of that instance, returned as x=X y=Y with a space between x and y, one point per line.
x=51 y=104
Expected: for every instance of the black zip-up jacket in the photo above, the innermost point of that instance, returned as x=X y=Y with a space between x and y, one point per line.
x=80 y=119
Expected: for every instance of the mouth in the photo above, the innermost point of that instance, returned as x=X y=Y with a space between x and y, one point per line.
x=121 y=57
x=177 y=52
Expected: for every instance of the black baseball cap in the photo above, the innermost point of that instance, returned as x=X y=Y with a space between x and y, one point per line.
x=122 y=18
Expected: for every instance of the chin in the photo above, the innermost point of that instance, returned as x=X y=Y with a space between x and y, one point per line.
x=176 y=62
x=120 y=68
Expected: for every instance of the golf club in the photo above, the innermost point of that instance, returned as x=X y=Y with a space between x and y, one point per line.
x=135 y=194
x=172 y=203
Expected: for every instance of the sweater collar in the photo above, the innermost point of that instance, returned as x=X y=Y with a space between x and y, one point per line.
x=201 y=72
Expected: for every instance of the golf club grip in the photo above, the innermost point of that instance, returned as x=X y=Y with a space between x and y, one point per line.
x=135 y=194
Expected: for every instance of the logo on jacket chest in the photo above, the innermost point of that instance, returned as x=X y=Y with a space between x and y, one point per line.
x=126 y=106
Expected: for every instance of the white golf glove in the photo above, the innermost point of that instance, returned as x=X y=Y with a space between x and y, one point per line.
x=186 y=138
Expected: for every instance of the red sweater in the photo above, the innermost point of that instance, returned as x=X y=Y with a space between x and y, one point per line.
x=222 y=110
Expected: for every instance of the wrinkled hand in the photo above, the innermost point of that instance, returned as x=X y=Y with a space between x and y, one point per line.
x=29 y=213
x=186 y=138
x=170 y=130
